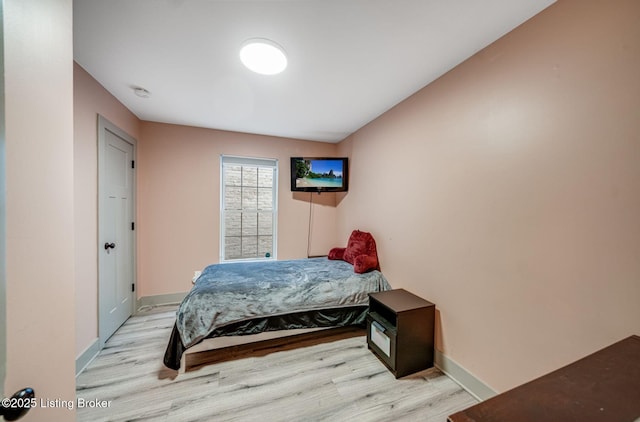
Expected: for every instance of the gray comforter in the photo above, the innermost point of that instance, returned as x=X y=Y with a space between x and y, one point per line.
x=235 y=292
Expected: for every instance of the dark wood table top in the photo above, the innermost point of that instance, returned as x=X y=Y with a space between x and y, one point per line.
x=400 y=300
x=604 y=386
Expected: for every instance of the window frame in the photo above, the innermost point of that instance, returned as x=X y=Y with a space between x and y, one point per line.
x=255 y=162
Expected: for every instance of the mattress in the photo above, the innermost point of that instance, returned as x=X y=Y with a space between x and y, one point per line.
x=252 y=297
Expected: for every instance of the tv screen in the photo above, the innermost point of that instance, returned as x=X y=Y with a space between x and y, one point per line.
x=319 y=174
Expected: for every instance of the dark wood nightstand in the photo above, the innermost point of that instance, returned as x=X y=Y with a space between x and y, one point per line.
x=400 y=328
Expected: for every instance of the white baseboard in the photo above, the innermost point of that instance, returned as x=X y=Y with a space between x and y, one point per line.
x=159 y=300
x=87 y=356
x=467 y=380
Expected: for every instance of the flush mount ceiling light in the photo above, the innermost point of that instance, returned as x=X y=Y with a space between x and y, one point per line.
x=263 y=56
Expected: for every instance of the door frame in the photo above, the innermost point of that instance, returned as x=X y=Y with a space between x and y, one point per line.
x=105 y=126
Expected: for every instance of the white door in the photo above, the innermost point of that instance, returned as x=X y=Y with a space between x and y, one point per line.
x=116 y=230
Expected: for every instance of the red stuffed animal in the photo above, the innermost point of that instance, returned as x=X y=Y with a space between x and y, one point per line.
x=360 y=252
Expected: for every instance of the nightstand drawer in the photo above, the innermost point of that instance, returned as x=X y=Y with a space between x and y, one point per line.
x=381 y=337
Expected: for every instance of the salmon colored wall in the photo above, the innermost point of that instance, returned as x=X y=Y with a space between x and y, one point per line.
x=178 y=175
x=40 y=202
x=89 y=100
x=511 y=193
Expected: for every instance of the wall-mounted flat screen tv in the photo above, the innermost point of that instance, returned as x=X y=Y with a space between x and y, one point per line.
x=319 y=174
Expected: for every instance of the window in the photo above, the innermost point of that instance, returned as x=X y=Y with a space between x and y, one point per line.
x=248 y=205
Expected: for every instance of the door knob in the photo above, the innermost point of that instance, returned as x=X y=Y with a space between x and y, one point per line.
x=18 y=405
x=108 y=246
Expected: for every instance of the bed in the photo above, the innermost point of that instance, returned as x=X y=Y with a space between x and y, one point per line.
x=240 y=299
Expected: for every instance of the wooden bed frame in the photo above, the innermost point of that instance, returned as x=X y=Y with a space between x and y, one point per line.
x=221 y=349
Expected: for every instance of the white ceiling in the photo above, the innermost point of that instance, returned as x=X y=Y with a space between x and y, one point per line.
x=349 y=60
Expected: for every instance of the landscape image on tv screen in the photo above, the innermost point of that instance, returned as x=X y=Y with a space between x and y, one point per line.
x=319 y=173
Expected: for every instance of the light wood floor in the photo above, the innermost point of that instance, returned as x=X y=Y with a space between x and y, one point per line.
x=333 y=381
